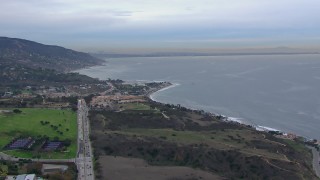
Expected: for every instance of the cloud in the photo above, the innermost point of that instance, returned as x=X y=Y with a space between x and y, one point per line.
x=160 y=21
x=216 y=12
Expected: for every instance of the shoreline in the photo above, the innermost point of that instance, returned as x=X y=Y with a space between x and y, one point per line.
x=315 y=157
x=168 y=85
x=278 y=133
x=248 y=115
x=224 y=117
x=76 y=70
x=227 y=118
x=152 y=94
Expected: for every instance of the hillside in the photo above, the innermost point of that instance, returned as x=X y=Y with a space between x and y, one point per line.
x=153 y=137
x=26 y=63
x=35 y=55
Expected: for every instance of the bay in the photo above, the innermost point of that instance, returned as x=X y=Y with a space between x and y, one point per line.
x=278 y=91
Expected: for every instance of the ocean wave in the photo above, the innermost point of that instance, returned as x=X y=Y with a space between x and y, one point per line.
x=257 y=127
x=235 y=119
x=265 y=128
x=225 y=118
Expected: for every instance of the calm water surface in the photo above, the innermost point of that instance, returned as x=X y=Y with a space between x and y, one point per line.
x=281 y=91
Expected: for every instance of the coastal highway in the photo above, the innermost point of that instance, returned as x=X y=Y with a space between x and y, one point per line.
x=84 y=153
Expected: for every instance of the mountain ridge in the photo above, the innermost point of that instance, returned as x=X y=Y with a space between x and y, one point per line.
x=37 y=55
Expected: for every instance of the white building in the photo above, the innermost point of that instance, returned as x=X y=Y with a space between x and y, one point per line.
x=22 y=177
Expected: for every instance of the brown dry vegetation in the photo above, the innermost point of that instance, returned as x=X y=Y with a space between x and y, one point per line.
x=192 y=139
x=122 y=168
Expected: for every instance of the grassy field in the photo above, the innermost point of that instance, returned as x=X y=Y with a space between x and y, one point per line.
x=27 y=123
x=135 y=106
x=220 y=139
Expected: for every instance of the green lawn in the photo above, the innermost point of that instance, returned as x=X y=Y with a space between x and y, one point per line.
x=28 y=123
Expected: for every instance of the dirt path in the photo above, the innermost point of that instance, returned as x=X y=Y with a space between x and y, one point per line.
x=276 y=166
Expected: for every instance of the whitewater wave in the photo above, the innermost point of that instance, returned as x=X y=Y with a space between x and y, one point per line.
x=226 y=118
x=235 y=119
x=265 y=128
x=257 y=127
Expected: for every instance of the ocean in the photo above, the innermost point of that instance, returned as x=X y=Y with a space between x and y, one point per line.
x=276 y=91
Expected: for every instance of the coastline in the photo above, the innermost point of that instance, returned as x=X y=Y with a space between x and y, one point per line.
x=224 y=117
x=199 y=92
x=239 y=120
x=167 y=85
x=227 y=118
x=314 y=151
x=76 y=70
x=152 y=94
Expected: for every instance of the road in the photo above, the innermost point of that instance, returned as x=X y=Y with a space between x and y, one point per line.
x=84 y=154
x=316 y=160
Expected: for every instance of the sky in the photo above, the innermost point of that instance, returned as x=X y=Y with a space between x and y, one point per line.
x=107 y=25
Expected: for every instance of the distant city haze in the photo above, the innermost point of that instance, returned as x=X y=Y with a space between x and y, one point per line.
x=166 y=25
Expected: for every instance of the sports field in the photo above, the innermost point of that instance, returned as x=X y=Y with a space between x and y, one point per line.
x=28 y=123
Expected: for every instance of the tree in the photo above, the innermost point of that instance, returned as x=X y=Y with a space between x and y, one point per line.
x=67 y=142
x=3 y=172
x=17 y=111
x=56 y=176
x=74 y=108
x=34 y=168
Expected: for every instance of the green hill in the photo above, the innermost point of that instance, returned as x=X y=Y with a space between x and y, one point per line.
x=31 y=54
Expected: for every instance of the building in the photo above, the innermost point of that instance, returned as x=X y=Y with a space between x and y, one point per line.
x=30 y=177
x=22 y=177
x=7 y=94
x=53 y=168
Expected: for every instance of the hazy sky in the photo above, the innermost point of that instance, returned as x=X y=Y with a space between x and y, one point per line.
x=111 y=24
